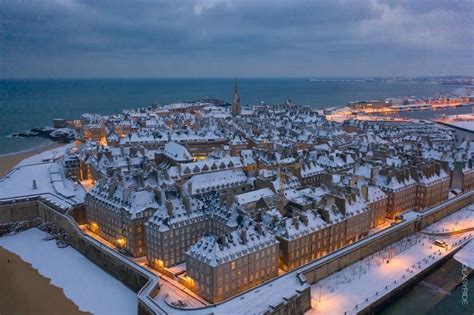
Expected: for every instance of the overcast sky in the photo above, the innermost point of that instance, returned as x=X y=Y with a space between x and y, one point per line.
x=220 y=38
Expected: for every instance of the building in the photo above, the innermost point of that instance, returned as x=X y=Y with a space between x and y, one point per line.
x=221 y=267
x=118 y=213
x=401 y=189
x=72 y=166
x=303 y=238
x=433 y=185
x=227 y=183
x=179 y=224
x=255 y=202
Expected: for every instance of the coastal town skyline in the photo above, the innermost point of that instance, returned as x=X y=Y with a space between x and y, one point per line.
x=205 y=204
x=272 y=157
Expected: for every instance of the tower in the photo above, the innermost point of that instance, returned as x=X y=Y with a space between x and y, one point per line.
x=236 y=100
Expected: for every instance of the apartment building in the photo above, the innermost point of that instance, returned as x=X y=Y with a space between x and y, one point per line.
x=179 y=224
x=221 y=267
x=433 y=185
x=401 y=189
x=118 y=213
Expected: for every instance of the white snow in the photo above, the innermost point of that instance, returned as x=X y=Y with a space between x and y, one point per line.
x=466 y=255
x=468 y=125
x=88 y=286
x=46 y=155
x=460 y=220
x=253 y=196
x=49 y=180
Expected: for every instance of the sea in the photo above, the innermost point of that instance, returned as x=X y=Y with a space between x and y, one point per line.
x=26 y=104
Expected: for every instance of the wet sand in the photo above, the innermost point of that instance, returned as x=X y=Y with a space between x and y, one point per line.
x=7 y=161
x=24 y=291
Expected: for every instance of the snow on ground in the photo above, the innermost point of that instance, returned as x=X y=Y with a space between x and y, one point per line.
x=46 y=155
x=459 y=220
x=20 y=182
x=468 y=125
x=48 y=176
x=466 y=255
x=88 y=286
x=356 y=286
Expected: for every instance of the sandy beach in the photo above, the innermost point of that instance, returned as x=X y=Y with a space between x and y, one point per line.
x=25 y=291
x=7 y=161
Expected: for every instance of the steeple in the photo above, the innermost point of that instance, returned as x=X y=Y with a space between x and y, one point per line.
x=236 y=100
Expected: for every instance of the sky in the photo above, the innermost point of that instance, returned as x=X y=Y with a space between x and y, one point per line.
x=239 y=38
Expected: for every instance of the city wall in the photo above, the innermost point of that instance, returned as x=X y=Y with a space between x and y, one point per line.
x=22 y=210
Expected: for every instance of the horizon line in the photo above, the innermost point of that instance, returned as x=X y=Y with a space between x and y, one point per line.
x=233 y=77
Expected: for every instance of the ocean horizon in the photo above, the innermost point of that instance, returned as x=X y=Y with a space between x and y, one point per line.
x=30 y=103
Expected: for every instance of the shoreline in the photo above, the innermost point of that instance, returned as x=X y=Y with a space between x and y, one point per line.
x=9 y=160
x=26 y=291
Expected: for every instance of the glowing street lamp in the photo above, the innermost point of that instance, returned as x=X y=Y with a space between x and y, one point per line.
x=94 y=227
x=121 y=241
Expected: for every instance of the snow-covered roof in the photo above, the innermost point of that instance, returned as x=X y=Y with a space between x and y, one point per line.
x=253 y=196
x=177 y=152
x=215 y=181
x=213 y=250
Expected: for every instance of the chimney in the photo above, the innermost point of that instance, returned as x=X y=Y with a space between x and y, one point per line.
x=101 y=184
x=365 y=192
x=223 y=240
x=187 y=204
x=324 y=214
x=304 y=219
x=243 y=235
x=258 y=227
x=169 y=207
x=341 y=204
x=353 y=182
x=157 y=195
x=126 y=194
x=112 y=187
x=190 y=187
x=296 y=222
x=374 y=172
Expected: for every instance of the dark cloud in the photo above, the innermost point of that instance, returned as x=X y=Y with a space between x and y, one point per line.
x=151 y=38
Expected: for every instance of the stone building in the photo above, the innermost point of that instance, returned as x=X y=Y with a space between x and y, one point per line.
x=227 y=183
x=401 y=190
x=310 y=174
x=433 y=185
x=178 y=224
x=303 y=238
x=221 y=267
x=323 y=222
x=117 y=213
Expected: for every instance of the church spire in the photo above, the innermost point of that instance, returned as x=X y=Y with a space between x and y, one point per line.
x=236 y=100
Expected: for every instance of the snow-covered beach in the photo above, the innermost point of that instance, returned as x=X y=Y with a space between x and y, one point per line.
x=89 y=287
